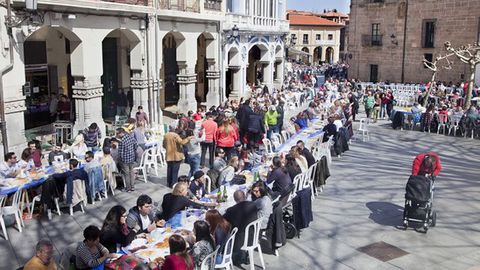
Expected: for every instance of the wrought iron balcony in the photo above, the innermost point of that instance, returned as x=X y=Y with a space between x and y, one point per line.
x=372 y=40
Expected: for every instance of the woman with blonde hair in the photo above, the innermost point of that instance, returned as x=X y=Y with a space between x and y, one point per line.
x=178 y=200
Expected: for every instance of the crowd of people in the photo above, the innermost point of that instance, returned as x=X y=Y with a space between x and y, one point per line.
x=232 y=134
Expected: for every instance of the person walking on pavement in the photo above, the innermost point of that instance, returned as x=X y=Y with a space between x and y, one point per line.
x=173 y=144
x=126 y=155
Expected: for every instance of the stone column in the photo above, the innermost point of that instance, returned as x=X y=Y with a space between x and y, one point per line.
x=236 y=83
x=15 y=123
x=324 y=54
x=213 y=77
x=268 y=75
x=139 y=86
x=186 y=80
x=87 y=94
x=279 y=74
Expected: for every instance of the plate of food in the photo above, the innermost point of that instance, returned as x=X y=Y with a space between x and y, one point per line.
x=184 y=232
x=137 y=244
x=163 y=245
x=148 y=255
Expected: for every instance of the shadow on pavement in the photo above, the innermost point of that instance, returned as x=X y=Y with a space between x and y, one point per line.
x=386 y=213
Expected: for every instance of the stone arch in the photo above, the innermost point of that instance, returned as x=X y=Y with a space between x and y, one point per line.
x=121 y=54
x=49 y=54
x=317 y=55
x=174 y=57
x=329 y=53
x=206 y=57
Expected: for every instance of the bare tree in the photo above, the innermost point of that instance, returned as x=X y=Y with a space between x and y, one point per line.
x=433 y=66
x=470 y=55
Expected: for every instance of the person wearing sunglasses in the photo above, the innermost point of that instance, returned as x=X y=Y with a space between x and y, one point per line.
x=9 y=167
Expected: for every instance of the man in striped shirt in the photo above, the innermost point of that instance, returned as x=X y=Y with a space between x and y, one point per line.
x=126 y=156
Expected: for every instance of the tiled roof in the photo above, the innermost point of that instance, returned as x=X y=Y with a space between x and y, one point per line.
x=334 y=14
x=297 y=19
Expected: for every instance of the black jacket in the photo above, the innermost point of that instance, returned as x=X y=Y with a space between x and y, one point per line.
x=310 y=159
x=111 y=236
x=322 y=172
x=173 y=204
x=243 y=115
x=302 y=208
x=239 y=216
x=329 y=129
x=281 y=180
x=255 y=123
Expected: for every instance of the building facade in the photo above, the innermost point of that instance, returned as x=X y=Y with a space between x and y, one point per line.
x=108 y=57
x=388 y=39
x=256 y=54
x=319 y=38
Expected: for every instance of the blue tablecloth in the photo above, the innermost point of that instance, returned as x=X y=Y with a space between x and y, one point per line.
x=49 y=170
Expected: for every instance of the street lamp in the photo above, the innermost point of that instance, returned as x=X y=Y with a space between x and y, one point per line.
x=232 y=36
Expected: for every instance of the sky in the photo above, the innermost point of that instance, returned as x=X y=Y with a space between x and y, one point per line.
x=319 y=5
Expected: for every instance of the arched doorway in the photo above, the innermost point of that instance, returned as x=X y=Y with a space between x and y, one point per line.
x=47 y=58
x=116 y=57
x=317 y=55
x=255 y=72
x=233 y=70
x=170 y=69
x=306 y=57
x=204 y=56
x=329 y=55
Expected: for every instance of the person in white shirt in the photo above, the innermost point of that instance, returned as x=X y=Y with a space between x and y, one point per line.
x=26 y=161
x=79 y=148
x=9 y=168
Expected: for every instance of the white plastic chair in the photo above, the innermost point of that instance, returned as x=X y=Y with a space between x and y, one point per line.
x=148 y=160
x=108 y=174
x=364 y=128
x=37 y=198
x=310 y=180
x=268 y=147
x=254 y=226
x=13 y=209
x=227 y=261
x=455 y=126
x=160 y=153
x=209 y=262
x=276 y=140
x=442 y=123
x=286 y=135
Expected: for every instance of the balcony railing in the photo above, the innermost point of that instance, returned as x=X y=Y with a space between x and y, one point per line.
x=325 y=42
x=213 y=5
x=129 y=2
x=372 y=40
x=181 y=5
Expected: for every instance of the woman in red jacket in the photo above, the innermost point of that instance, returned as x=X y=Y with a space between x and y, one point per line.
x=426 y=163
x=226 y=137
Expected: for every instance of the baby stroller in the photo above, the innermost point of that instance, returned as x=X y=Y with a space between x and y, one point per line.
x=419 y=202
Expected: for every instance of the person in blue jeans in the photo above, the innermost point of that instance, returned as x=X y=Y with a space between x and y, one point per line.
x=194 y=150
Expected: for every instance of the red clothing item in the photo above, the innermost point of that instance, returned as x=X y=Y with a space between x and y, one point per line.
x=210 y=128
x=197 y=116
x=418 y=162
x=37 y=158
x=224 y=139
x=174 y=262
